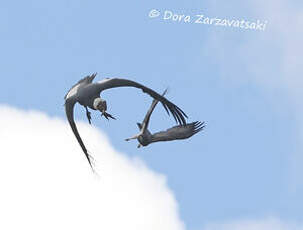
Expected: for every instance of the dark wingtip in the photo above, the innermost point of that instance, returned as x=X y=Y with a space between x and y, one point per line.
x=182 y=112
x=178 y=114
x=165 y=107
x=91 y=161
x=198 y=126
x=182 y=116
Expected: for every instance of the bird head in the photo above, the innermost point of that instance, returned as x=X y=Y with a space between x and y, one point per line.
x=100 y=104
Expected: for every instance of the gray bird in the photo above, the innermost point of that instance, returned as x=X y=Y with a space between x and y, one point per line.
x=87 y=94
x=179 y=132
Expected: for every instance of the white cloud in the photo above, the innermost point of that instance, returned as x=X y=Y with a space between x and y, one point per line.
x=262 y=224
x=46 y=182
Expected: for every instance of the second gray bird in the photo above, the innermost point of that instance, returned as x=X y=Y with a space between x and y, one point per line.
x=175 y=133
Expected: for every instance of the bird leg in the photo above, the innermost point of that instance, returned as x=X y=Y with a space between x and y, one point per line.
x=88 y=115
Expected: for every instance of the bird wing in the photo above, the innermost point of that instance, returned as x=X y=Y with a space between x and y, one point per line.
x=149 y=112
x=179 y=132
x=109 y=83
x=69 y=110
x=84 y=81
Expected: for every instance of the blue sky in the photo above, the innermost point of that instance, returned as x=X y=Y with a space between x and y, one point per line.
x=233 y=79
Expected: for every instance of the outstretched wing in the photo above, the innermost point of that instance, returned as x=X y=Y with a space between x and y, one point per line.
x=148 y=114
x=109 y=83
x=69 y=110
x=179 y=132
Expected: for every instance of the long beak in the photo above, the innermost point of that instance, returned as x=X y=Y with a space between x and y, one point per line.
x=107 y=115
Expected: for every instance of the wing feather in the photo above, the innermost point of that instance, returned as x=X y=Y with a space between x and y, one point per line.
x=177 y=113
x=149 y=112
x=69 y=110
x=179 y=132
x=84 y=81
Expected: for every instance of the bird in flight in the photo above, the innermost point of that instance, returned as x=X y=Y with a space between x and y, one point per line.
x=182 y=131
x=87 y=94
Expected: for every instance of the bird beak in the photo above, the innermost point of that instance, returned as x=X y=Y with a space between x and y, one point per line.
x=107 y=115
x=103 y=113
